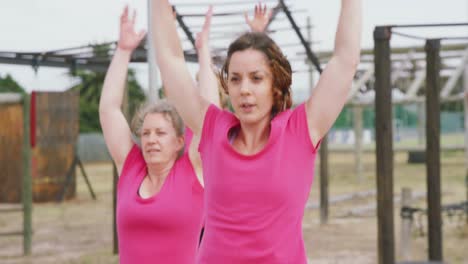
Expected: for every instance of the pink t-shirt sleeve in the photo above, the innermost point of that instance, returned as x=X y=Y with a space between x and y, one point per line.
x=209 y=125
x=133 y=161
x=298 y=125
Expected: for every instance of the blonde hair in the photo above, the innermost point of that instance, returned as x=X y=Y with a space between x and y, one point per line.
x=160 y=107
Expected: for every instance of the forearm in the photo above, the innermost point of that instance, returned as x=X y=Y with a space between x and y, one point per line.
x=114 y=83
x=348 y=35
x=208 y=83
x=179 y=86
x=165 y=38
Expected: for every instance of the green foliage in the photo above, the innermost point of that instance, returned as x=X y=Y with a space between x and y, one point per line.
x=90 y=89
x=9 y=85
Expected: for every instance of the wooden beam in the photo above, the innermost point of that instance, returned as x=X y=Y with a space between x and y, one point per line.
x=433 y=150
x=27 y=199
x=384 y=146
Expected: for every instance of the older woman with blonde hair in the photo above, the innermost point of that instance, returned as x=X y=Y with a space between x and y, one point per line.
x=159 y=194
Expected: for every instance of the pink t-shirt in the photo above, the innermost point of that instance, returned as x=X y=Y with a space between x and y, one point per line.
x=254 y=205
x=164 y=228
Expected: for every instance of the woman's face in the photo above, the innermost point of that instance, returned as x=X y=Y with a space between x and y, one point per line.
x=159 y=141
x=250 y=86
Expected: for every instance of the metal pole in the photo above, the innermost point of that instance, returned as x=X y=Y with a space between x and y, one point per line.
x=311 y=69
x=115 y=178
x=153 y=89
x=358 y=132
x=465 y=83
x=310 y=55
x=324 y=212
x=433 y=149
x=384 y=145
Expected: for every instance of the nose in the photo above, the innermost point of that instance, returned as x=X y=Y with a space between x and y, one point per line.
x=153 y=138
x=245 y=87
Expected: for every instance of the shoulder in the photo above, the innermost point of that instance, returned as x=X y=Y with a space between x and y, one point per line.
x=134 y=159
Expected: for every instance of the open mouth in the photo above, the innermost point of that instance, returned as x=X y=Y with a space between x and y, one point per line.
x=153 y=151
x=246 y=107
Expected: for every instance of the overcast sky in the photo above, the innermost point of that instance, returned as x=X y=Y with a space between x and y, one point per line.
x=41 y=25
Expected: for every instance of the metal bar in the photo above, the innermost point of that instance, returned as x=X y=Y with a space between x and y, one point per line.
x=416 y=84
x=69 y=177
x=85 y=176
x=384 y=145
x=451 y=83
x=17 y=233
x=454 y=38
x=150 y=55
x=427 y=25
x=220 y=3
x=276 y=10
x=369 y=73
x=311 y=56
x=184 y=27
x=234 y=13
x=412 y=100
x=433 y=150
x=230 y=24
x=358 y=131
x=407 y=35
x=404 y=50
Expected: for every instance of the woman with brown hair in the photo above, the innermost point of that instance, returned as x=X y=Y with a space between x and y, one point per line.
x=258 y=163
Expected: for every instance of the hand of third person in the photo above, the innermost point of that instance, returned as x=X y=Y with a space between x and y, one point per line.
x=129 y=39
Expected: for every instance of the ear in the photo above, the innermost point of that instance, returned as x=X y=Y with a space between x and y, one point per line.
x=180 y=142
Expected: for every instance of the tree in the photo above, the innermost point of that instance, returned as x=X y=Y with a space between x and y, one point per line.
x=90 y=91
x=9 y=85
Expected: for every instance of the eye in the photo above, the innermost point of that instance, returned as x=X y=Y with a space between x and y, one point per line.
x=161 y=133
x=145 y=133
x=257 y=78
x=234 y=79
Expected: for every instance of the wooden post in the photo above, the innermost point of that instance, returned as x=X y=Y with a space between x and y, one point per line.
x=433 y=149
x=324 y=181
x=358 y=132
x=384 y=145
x=465 y=83
x=406 y=226
x=323 y=146
x=421 y=122
x=27 y=179
x=115 y=178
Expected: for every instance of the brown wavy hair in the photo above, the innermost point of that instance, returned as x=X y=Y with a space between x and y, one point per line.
x=279 y=66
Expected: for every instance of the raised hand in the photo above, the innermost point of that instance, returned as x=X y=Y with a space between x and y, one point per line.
x=261 y=18
x=129 y=39
x=203 y=37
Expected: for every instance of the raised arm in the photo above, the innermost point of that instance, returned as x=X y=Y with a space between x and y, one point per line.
x=208 y=85
x=261 y=18
x=330 y=94
x=180 y=87
x=207 y=80
x=114 y=126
